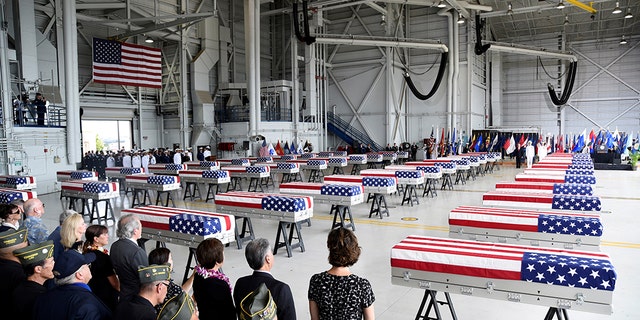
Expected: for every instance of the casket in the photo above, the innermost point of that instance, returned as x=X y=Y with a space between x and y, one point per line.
x=541 y=201
x=279 y=207
x=526 y=227
x=338 y=194
x=566 y=279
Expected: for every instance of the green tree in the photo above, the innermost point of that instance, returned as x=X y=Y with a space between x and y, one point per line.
x=99 y=144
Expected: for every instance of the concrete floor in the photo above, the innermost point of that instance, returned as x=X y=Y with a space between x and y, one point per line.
x=619 y=191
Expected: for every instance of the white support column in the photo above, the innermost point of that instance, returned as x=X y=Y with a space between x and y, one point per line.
x=390 y=104
x=183 y=109
x=295 y=89
x=72 y=98
x=25 y=38
x=250 y=53
x=256 y=67
x=5 y=85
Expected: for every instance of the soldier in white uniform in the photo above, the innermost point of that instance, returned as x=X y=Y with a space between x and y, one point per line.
x=207 y=153
x=126 y=160
x=136 y=162
x=177 y=156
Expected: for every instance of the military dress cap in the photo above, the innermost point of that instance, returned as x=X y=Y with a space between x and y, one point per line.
x=258 y=305
x=35 y=253
x=13 y=237
x=70 y=261
x=154 y=273
x=179 y=307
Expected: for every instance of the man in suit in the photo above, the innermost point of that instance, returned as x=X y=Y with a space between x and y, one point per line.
x=127 y=257
x=260 y=258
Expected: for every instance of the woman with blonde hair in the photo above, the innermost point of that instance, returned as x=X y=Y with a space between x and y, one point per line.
x=71 y=232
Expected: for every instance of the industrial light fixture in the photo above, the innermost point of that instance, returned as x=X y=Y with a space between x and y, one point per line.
x=383 y=20
x=617 y=8
x=566 y=20
x=441 y=4
x=560 y=5
x=628 y=15
x=148 y=40
x=510 y=9
x=623 y=40
x=461 y=19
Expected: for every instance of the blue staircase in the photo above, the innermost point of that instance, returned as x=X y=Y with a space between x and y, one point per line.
x=347 y=133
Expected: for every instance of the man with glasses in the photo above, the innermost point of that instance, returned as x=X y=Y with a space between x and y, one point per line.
x=71 y=298
x=154 y=281
x=37 y=230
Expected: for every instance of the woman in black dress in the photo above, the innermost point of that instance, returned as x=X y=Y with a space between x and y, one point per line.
x=211 y=287
x=104 y=282
x=337 y=293
x=162 y=256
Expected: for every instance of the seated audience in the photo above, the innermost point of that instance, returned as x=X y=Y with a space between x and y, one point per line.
x=10 y=215
x=71 y=232
x=34 y=209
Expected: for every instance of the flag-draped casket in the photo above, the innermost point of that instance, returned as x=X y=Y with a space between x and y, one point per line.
x=576 y=280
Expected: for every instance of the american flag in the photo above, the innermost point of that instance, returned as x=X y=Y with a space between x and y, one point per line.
x=195 y=224
x=429 y=169
x=8 y=197
x=126 y=64
x=16 y=180
x=345 y=190
x=131 y=170
x=283 y=203
x=357 y=158
x=378 y=182
x=581 y=179
x=258 y=169
x=285 y=165
x=159 y=179
x=99 y=187
x=337 y=160
x=82 y=174
x=215 y=174
x=572 y=189
x=582 y=203
x=590 y=270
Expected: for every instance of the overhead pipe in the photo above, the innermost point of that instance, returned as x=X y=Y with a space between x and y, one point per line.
x=480 y=48
x=382 y=42
x=571 y=76
x=443 y=64
x=533 y=51
x=306 y=38
x=452 y=62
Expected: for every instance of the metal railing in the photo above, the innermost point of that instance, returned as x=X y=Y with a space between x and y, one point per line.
x=348 y=133
x=55 y=116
